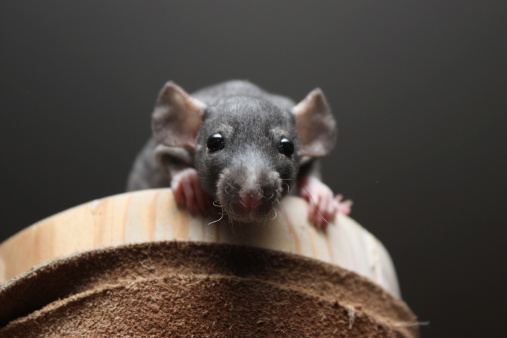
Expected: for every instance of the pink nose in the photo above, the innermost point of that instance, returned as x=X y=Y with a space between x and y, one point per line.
x=250 y=201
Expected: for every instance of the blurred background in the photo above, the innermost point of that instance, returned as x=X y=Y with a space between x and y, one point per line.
x=418 y=88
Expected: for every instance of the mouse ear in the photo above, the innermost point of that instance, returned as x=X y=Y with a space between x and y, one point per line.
x=177 y=117
x=315 y=124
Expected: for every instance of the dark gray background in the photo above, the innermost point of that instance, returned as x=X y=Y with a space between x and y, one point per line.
x=419 y=89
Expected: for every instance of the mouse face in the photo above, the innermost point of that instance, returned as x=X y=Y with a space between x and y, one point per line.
x=246 y=156
x=245 y=144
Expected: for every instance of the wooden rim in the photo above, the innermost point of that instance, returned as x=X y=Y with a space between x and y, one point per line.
x=151 y=215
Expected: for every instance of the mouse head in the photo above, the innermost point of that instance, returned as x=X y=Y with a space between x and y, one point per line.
x=247 y=150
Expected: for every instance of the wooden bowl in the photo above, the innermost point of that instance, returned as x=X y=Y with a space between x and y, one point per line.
x=152 y=215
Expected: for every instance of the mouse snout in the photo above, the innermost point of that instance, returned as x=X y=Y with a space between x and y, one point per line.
x=248 y=194
x=250 y=198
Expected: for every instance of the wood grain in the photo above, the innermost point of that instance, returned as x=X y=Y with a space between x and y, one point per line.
x=151 y=215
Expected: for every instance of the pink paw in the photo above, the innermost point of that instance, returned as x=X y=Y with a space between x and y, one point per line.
x=188 y=191
x=344 y=207
x=322 y=207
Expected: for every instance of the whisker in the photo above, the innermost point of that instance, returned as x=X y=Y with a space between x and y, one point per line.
x=218 y=220
x=231 y=212
x=288 y=187
x=276 y=213
x=283 y=209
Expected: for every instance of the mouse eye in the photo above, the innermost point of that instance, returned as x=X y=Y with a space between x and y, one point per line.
x=286 y=147
x=215 y=142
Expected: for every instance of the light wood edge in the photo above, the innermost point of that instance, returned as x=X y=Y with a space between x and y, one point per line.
x=151 y=215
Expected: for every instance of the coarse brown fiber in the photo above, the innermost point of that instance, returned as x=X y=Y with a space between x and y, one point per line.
x=197 y=289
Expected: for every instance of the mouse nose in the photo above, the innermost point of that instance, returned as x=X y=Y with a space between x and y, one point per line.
x=250 y=199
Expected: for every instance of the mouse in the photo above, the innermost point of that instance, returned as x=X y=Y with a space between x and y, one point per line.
x=239 y=149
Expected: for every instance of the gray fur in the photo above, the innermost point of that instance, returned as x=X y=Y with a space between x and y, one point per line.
x=145 y=172
x=252 y=123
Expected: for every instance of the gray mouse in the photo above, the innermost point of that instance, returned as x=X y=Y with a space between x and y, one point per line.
x=240 y=147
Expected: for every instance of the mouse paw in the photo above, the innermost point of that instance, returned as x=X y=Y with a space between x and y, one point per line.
x=343 y=207
x=188 y=192
x=322 y=206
